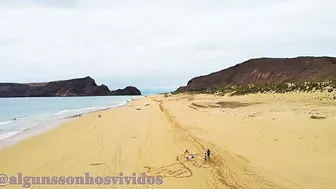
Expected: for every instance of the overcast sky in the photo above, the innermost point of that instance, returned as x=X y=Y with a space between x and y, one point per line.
x=155 y=43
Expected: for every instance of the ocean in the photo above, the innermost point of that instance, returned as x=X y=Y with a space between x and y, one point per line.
x=20 y=114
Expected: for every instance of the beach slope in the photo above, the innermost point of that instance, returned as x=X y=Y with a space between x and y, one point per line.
x=265 y=141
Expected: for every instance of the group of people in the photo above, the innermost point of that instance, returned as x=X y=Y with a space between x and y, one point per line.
x=188 y=156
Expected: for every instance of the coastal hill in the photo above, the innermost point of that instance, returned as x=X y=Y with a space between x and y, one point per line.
x=267 y=71
x=74 y=87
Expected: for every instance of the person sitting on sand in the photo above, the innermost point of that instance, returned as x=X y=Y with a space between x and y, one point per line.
x=190 y=157
x=186 y=154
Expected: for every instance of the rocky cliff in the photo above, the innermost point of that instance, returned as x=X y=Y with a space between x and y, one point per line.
x=267 y=71
x=126 y=91
x=74 y=87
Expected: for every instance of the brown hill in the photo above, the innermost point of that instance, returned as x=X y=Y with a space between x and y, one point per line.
x=267 y=71
x=73 y=87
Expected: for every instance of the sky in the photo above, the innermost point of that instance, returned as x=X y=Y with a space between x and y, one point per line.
x=155 y=44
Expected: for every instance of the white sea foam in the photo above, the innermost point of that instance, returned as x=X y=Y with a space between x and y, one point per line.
x=61 y=112
x=5 y=122
x=79 y=110
x=8 y=134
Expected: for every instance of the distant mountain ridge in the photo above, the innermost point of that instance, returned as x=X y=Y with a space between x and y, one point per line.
x=267 y=71
x=74 y=87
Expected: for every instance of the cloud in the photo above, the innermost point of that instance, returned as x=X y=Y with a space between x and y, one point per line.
x=29 y=3
x=154 y=43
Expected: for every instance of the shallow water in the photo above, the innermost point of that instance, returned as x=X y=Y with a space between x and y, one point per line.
x=19 y=114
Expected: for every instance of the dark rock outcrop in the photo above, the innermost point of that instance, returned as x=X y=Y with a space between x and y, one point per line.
x=267 y=71
x=126 y=91
x=74 y=87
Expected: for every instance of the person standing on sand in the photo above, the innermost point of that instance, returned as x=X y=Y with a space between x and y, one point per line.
x=205 y=156
x=208 y=153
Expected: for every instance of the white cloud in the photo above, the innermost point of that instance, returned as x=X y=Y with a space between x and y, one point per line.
x=154 y=43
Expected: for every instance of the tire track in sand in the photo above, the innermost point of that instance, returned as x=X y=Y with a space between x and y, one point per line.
x=226 y=168
x=145 y=145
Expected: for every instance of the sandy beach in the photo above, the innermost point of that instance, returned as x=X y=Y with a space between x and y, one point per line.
x=256 y=141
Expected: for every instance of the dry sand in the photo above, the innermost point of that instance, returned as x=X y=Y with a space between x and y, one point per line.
x=257 y=141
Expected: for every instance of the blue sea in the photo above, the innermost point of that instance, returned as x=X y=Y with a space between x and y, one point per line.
x=19 y=114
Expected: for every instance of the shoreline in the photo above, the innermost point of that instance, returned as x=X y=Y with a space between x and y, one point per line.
x=31 y=132
x=48 y=125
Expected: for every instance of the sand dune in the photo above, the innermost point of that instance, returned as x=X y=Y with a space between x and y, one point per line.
x=257 y=141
